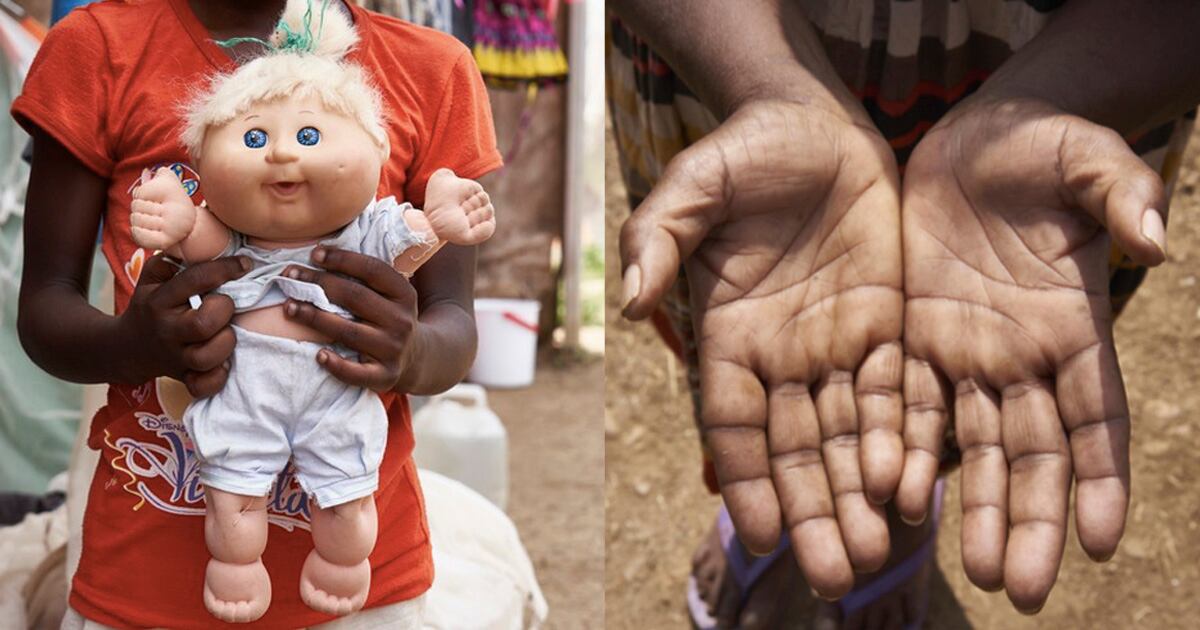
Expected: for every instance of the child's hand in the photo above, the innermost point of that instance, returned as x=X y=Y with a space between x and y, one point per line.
x=161 y=213
x=189 y=345
x=787 y=221
x=385 y=310
x=1006 y=277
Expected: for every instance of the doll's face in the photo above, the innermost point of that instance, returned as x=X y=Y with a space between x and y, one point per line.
x=289 y=170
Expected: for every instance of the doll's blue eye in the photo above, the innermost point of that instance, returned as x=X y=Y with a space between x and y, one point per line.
x=308 y=136
x=255 y=138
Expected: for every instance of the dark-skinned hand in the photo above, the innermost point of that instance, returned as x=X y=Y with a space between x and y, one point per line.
x=190 y=345
x=384 y=305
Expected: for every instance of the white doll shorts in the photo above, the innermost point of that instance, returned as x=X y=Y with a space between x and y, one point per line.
x=279 y=403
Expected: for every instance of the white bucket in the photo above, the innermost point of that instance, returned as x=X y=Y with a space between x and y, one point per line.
x=508 y=332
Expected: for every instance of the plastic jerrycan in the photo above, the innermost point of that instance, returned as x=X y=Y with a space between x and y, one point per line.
x=457 y=435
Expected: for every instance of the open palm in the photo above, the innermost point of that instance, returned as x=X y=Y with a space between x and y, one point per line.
x=787 y=221
x=1005 y=209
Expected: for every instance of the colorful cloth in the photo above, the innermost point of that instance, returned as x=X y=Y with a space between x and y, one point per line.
x=909 y=61
x=515 y=43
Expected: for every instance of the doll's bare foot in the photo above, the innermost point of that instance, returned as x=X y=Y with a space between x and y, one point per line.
x=457 y=210
x=334 y=589
x=236 y=593
x=337 y=574
x=237 y=588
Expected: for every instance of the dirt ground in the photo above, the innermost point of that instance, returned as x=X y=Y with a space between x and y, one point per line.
x=556 y=469
x=658 y=508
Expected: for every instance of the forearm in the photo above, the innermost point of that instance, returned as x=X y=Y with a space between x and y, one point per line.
x=72 y=340
x=729 y=53
x=443 y=342
x=1126 y=65
x=443 y=347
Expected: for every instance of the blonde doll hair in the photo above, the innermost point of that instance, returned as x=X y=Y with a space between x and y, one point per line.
x=305 y=59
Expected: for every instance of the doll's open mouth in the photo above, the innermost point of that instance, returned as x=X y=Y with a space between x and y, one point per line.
x=285 y=189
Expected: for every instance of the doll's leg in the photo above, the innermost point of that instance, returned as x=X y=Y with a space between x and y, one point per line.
x=337 y=574
x=237 y=588
x=457 y=210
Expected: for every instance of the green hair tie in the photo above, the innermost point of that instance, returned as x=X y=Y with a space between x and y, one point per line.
x=293 y=42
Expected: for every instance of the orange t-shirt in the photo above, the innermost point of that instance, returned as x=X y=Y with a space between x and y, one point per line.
x=106 y=84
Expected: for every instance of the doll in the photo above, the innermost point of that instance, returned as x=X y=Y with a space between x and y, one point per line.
x=289 y=149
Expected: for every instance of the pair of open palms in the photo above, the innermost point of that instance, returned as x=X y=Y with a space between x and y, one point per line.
x=843 y=320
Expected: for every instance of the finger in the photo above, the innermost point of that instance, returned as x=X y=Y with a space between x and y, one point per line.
x=925 y=417
x=363 y=301
x=480 y=232
x=372 y=271
x=1091 y=398
x=670 y=223
x=794 y=440
x=157 y=271
x=881 y=419
x=984 y=485
x=205 y=384
x=144 y=207
x=364 y=339
x=202 y=324
x=1117 y=188
x=201 y=278
x=202 y=357
x=370 y=375
x=1040 y=481
x=733 y=416
x=147 y=221
x=149 y=239
x=863 y=524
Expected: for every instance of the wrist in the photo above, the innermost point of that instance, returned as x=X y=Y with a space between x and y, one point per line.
x=133 y=362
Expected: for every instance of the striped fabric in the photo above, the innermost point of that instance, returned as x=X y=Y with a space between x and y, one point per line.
x=909 y=61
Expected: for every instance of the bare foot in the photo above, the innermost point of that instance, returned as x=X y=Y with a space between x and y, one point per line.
x=337 y=574
x=458 y=210
x=237 y=588
x=334 y=589
x=236 y=593
x=780 y=598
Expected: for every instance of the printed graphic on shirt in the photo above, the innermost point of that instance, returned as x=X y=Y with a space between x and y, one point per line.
x=165 y=474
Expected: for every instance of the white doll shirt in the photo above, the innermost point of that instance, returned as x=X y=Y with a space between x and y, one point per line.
x=379 y=231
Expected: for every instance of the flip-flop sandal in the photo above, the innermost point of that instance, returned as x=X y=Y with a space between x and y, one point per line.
x=747 y=570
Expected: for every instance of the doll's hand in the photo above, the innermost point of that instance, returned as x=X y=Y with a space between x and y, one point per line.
x=175 y=340
x=1006 y=254
x=385 y=306
x=161 y=214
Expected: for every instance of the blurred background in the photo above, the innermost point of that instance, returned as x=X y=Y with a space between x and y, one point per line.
x=517 y=451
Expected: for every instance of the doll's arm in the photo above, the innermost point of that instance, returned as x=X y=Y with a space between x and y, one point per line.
x=163 y=217
x=457 y=211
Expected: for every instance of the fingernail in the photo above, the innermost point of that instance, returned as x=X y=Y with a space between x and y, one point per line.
x=226 y=365
x=318 y=254
x=245 y=263
x=292 y=273
x=632 y=285
x=321 y=357
x=291 y=308
x=1154 y=230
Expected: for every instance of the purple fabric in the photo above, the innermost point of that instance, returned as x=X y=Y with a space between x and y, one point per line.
x=747 y=569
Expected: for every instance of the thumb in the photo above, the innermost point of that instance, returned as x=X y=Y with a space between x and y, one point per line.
x=664 y=230
x=1111 y=183
x=157 y=270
